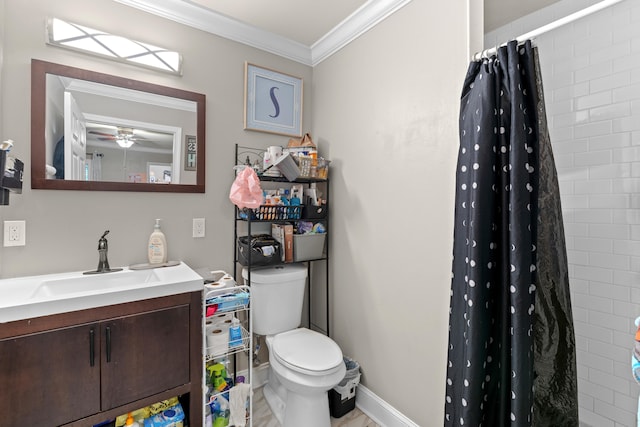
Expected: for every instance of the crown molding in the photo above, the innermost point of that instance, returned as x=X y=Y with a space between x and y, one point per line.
x=359 y=22
x=190 y=14
x=196 y=16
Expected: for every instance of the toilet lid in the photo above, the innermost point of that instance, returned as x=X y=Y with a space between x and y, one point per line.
x=304 y=350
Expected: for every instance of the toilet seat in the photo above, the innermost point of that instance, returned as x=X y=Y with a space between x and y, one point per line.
x=307 y=352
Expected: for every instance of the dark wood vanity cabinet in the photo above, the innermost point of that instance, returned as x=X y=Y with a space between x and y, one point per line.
x=86 y=367
x=142 y=354
x=46 y=378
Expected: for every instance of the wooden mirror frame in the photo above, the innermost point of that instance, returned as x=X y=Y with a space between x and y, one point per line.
x=39 y=71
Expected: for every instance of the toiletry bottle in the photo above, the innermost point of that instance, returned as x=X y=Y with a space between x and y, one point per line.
x=296 y=195
x=312 y=195
x=235 y=333
x=130 y=422
x=157 y=245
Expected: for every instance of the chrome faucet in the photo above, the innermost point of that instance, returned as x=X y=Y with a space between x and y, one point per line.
x=103 y=247
x=103 y=262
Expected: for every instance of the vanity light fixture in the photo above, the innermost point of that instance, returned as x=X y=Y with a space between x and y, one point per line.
x=88 y=40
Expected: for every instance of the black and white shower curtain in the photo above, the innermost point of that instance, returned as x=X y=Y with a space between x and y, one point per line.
x=511 y=356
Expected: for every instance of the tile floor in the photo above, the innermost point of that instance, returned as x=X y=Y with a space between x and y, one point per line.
x=262 y=416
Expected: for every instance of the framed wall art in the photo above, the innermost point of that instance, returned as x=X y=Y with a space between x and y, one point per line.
x=272 y=102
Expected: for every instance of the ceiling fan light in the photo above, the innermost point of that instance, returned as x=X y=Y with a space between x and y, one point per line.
x=124 y=142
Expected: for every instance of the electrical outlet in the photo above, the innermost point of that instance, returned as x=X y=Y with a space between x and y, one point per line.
x=198 y=227
x=15 y=233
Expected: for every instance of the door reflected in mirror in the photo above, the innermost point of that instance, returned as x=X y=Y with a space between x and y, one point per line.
x=93 y=131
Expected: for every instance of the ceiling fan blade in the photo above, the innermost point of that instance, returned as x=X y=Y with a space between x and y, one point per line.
x=95 y=132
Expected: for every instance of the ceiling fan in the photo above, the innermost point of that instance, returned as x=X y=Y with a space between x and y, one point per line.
x=124 y=137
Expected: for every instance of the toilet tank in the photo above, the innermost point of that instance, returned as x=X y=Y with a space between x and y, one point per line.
x=277 y=295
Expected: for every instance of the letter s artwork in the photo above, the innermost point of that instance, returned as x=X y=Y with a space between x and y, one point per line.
x=272 y=94
x=272 y=101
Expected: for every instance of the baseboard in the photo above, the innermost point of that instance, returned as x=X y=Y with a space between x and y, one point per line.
x=367 y=401
x=380 y=411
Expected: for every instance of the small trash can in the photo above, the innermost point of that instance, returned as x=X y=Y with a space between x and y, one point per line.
x=342 y=398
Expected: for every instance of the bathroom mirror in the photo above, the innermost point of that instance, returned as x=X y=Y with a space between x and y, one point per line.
x=94 y=131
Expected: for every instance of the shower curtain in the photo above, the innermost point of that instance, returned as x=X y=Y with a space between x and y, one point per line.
x=511 y=355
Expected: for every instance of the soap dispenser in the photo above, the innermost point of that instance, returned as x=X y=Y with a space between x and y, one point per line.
x=157 y=245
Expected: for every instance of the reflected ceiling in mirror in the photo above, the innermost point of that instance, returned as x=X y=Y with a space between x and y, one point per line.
x=94 y=131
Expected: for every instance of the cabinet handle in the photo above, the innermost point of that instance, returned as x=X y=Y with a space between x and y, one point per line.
x=108 y=344
x=92 y=347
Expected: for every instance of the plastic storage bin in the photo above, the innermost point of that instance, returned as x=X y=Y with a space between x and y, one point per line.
x=288 y=166
x=308 y=246
x=342 y=398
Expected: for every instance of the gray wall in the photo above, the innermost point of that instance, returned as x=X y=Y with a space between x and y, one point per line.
x=63 y=227
x=384 y=111
x=387 y=112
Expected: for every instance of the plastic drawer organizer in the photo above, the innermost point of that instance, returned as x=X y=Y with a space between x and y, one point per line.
x=227 y=361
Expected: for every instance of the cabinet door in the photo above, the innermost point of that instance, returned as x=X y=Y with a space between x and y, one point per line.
x=144 y=354
x=49 y=378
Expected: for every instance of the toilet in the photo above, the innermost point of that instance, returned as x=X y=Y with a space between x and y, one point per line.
x=304 y=364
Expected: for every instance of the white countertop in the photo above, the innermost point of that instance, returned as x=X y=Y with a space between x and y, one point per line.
x=35 y=296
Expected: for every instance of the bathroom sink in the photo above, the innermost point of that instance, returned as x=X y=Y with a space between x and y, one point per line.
x=94 y=283
x=34 y=296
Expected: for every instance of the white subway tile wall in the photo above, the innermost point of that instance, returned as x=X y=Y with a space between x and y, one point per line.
x=591 y=77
